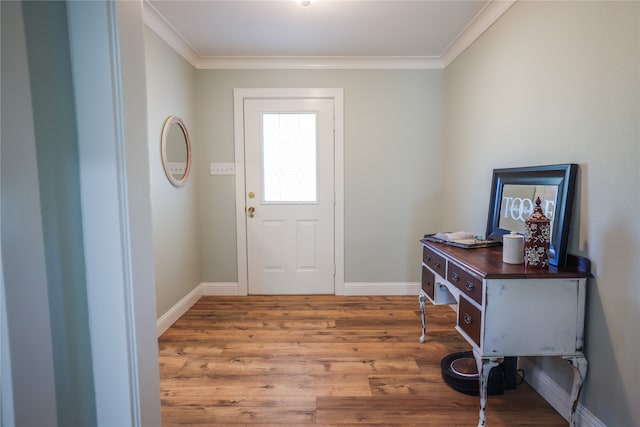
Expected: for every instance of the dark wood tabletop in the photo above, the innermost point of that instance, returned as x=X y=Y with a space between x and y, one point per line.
x=487 y=263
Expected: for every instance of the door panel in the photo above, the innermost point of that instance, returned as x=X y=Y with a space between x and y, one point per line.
x=306 y=244
x=289 y=195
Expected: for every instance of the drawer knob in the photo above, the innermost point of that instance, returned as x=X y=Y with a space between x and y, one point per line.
x=437 y=264
x=469 y=286
x=467 y=318
x=428 y=258
x=455 y=276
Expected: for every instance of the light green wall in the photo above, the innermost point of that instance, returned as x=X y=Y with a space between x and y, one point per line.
x=171 y=90
x=559 y=82
x=392 y=150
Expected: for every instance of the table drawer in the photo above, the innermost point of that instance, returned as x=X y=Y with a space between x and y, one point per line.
x=434 y=261
x=428 y=282
x=469 y=284
x=469 y=319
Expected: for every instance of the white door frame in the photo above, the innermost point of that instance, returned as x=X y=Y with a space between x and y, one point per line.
x=239 y=96
x=107 y=55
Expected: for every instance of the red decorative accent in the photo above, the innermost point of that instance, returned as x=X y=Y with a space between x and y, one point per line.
x=537 y=233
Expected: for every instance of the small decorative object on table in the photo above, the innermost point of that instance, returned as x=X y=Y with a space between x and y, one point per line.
x=537 y=233
x=512 y=248
x=461 y=239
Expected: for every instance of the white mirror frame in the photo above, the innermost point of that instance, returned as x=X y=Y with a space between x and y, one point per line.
x=175 y=120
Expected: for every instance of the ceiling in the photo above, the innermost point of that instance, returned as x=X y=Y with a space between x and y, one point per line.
x=327 y=34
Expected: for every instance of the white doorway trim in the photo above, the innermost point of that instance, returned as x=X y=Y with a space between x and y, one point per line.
x=107 y=55
x=239 y=96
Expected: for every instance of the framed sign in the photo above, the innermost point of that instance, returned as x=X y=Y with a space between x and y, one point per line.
x=513 y=195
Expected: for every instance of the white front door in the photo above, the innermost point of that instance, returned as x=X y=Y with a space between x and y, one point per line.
x=289 y=183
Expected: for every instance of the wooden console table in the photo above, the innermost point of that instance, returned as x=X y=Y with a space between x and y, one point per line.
x=508 y=310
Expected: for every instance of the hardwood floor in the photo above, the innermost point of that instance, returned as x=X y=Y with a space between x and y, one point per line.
x=322 y=360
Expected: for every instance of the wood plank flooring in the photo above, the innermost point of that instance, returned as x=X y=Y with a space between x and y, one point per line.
x=322 y=360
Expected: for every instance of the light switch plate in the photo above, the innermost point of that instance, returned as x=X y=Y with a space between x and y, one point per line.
x=222 y=169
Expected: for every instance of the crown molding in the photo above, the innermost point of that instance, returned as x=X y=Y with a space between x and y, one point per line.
x=318 y=62
x=481 y=23
x=156 y=22
x=485 y=18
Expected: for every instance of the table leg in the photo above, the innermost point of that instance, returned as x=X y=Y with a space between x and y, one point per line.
x=579 y=365
x=484 y=367
x=422 y=297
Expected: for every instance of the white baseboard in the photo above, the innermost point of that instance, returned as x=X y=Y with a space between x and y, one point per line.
x=555 y=395
x=354 y=288
x=165 y=321
x=220 y=288
x=381 y=288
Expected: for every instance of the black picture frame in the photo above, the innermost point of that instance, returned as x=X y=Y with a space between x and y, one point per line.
x=508 y=211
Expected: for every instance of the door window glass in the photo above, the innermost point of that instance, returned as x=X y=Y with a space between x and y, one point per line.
x=289 y=163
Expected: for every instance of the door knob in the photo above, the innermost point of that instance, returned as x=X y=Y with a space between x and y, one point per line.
x=251 y=211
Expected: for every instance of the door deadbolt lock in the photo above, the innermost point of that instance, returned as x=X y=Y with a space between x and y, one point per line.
x=251 y=211
x=252 y=194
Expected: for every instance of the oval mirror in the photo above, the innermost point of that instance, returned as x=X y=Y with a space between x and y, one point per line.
x=176 y=151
